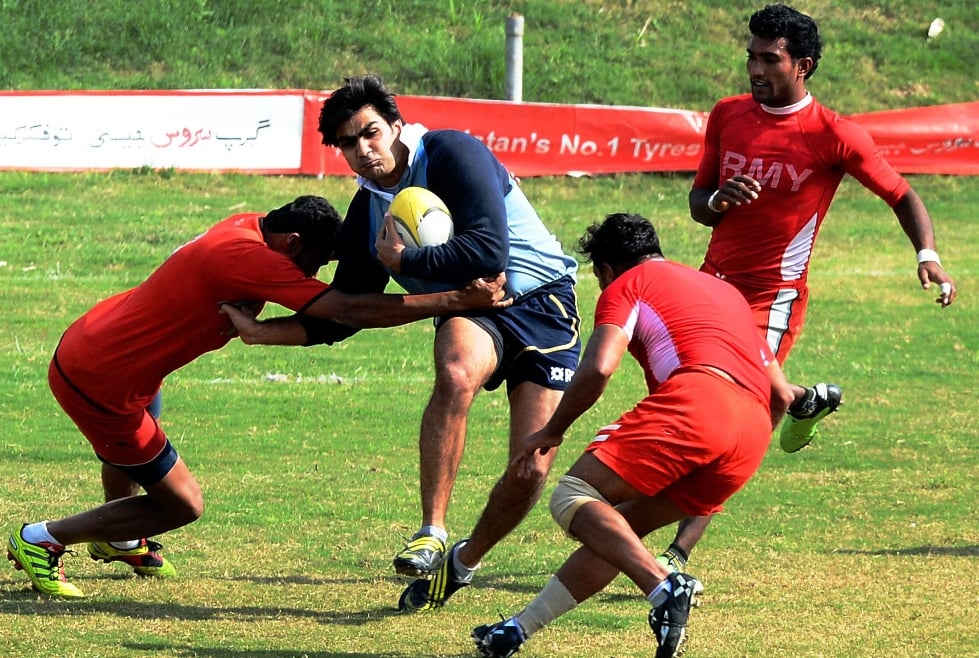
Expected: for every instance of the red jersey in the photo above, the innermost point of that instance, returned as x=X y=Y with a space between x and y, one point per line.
x=677 y=317
x=118 y=353
x=799 y=158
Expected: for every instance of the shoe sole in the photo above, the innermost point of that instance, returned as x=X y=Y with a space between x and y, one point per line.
x=414 y=572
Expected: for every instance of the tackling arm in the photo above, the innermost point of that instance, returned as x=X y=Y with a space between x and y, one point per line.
x=782 y=395
x=601 y=358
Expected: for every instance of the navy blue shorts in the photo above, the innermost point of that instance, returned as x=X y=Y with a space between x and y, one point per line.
x=537 y=339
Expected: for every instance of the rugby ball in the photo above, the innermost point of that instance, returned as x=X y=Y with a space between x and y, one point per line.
x=421 y=218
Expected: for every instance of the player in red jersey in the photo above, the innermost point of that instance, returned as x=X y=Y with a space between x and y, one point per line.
x=715 y=393
x=111 y=362
x=773 y=160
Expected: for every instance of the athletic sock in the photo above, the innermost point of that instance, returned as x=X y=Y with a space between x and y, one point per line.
x=37 y=533
x=460 y=571
x=552 y=602
x=125 y=545
x=676 y=555
x=659 y=593
x=433 y=531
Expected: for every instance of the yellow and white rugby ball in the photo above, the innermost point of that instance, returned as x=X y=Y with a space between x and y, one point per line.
x=421 y=218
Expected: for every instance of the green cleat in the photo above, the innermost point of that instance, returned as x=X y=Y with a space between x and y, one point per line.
x=799 y=426
x=145 y=559
x=43 y=565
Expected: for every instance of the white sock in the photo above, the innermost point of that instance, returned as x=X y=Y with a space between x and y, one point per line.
x=433 y=531
x=460 y=570
x=125 y=545
x=37 y=533
x=659 y=593
x=552 y=602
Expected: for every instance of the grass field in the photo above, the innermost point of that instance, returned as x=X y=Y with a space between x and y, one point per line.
x=863 y=545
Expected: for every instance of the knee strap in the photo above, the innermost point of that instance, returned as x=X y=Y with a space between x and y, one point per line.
x=568 y=497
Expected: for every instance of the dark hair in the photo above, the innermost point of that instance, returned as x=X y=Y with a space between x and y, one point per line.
x=799 y=31
x=349 y=99
x=312 y=217
x=621 y=240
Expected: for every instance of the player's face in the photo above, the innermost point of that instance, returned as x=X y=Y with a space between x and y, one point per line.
x=371 y=147
x=776 y=79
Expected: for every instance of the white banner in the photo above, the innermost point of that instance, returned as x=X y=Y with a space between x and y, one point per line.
x=191 y=130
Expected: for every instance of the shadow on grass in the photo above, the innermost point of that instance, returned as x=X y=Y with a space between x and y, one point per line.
x=516 y=583
x=26 y=601
x=224 y=652
x=953 y=551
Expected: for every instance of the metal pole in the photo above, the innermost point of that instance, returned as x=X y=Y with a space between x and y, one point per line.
x=514 y=58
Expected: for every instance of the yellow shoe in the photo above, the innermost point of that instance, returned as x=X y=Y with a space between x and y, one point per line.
x=43 y=565
x=145 y=559
x=421 y=557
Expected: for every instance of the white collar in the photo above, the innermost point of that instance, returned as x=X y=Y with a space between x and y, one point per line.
x=789 y=109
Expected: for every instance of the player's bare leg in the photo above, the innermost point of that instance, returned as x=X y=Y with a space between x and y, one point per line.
x=464 y=359
x=514 y=495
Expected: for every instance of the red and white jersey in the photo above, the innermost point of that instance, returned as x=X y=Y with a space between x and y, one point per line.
x=677 y=317
x=799 y=156
x=118 y=353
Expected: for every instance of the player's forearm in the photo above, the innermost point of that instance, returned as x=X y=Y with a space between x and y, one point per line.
x=699 y=210
x=915 y=221
x=274 y=331
x=781 y=392
x=371 y=310
x=585 y=390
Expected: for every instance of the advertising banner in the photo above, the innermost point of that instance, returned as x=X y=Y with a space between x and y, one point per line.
x=258 y=131
x=275 y=132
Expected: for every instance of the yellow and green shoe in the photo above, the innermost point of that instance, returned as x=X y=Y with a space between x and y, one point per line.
x=43 y=565
x=145 y=559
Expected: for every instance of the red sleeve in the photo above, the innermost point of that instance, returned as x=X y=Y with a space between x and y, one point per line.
x=709 y=166
x=864 y=161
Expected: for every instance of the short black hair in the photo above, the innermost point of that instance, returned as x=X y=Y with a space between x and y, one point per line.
x=349 y=99
x=622 y=240
x=799 y=31
x=312 y=217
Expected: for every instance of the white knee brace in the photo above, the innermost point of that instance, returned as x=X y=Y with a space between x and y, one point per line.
x=568 y=497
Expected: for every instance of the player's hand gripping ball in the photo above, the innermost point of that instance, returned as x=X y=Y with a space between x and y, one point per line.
x=421 y=218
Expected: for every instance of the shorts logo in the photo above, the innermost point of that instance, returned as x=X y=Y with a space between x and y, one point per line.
x=561 y=374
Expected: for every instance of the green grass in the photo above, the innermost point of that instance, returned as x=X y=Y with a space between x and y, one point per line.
x=653 y=52
x=310 y=485
x=864 y=545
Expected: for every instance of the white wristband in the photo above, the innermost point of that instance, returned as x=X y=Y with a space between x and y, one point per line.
x=712 y=198
x=924 y=255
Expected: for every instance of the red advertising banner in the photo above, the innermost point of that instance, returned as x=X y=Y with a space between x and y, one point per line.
x=540 y=139
x=928 y=140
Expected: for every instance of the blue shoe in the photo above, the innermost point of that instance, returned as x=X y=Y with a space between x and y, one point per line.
x=499 y=640
x=668 y=618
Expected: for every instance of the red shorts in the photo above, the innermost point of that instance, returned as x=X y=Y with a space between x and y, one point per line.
x=778 y=312
x=697 y=440
x=129 y=439
x=780 y=315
